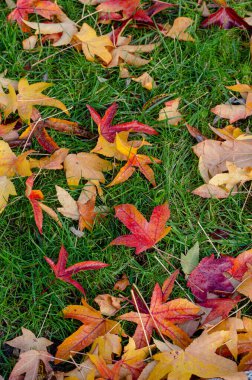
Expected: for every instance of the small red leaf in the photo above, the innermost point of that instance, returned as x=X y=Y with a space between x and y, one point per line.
x=65 y=274
x=225 y=18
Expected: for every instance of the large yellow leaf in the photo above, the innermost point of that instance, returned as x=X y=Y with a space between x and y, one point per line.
x=27 y=97
x=93 y=45
x=6 y=189
x=85 y=165
x=199 y=359
x=11 y=165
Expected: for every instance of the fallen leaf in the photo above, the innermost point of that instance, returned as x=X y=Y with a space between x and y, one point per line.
x=170 y=112
x=235 y=176
x=130 y=54
x=225 y=18
x=54 y=162
x=208 y=277
x=94 y=325
x=177 y=31
x=23 y=8
x=11 y=164
x=214 y=154
x=199 y=359
x=27 y=97
x=163 y=318
x=66 y=26
x=134 y=160
x=127 y=7
x=35 y=196
x=219 y=308
x=83 y=210
x=28 y=364
x=6 y=189
x=122 y=283
x=28 y=341
x=65 y=274
x=85 y=165
x=191 y=259
x=93 y=45
x=109 y=131
x=108 y=304
x=144 y=234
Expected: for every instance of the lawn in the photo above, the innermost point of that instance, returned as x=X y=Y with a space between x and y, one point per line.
x=197 y=73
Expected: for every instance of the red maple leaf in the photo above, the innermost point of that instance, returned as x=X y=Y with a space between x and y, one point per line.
x=109 y=131
x=144 y=234
x=65 y=274
x=162 y=316
x=220 y=307
x=208 y=277
x=34 y=197
x=225 y=18
x=44 y=8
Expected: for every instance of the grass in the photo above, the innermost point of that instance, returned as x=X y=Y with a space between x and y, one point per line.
x=196 y=72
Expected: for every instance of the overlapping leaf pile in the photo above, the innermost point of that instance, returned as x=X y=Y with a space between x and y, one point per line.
x=172 y=338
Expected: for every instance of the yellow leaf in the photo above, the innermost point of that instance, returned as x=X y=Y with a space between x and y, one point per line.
x=6 y=189
x=10 y=164
x=93 y=45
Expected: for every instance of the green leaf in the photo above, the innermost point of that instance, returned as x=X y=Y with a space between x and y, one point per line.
x=191 y=260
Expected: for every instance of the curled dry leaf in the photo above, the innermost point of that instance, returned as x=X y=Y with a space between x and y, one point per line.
x=122 y=283
x=235 y=176
x=177 y=30
x=170 y=112
x=53 y=162
x=130 y=54
x=108 y=304
x=66 y=27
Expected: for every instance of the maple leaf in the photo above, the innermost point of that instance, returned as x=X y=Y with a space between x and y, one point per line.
x=6 y=189
x=241 y=264
x=23 y=8
x=162 y=316
x=93 y=45
x=11 y=164
x=109 y=131
x=234 y=177
x=199 y=359
x=28 y=364
x=177 y=30
x=127 y=7
x=208 y=277
x=28 y=341
x=85 y=165
x=170 y=112
x=66 y=27
x=65 y=274
x=235 y=112
x=53 y=162
x=144 y=234
x=130 y=54
x=94 y=325
x=225 y=18
x=214 y=155
x=83 y=210
x=219 y=307
x=134 y=160
x=35 y=196
x=27 y=97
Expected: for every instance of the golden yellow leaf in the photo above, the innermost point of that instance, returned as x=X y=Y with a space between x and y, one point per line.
x=93 y=45
x=6 y=189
